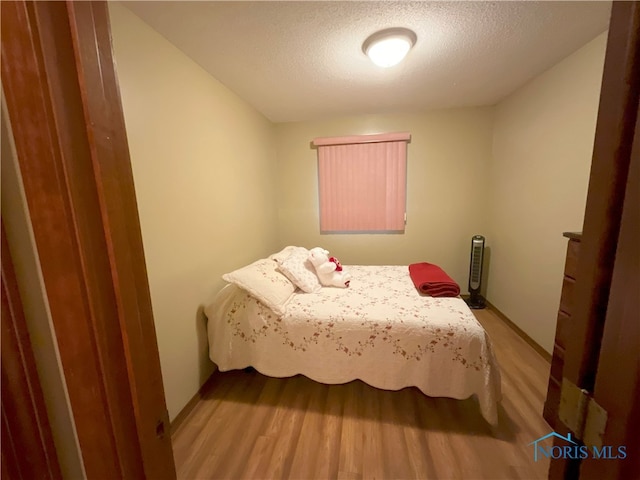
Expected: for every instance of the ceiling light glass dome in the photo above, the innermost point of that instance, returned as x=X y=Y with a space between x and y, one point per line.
x=387 y=48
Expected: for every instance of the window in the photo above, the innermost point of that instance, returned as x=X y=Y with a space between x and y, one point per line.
x=362 y=182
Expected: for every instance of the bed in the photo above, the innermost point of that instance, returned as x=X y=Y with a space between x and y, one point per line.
x=380 y=330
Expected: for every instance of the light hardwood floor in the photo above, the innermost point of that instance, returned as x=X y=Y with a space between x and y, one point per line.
x=252 y=426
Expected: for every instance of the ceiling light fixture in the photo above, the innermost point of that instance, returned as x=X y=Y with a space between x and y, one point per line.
x=388 y=47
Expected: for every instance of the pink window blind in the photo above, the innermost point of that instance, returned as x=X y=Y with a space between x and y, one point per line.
x=362 y=182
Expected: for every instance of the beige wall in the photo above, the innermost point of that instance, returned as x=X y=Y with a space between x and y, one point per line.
x=542 y=146
x=203 y=170
x=219 y=186
x=446 y=188
x=15 y=217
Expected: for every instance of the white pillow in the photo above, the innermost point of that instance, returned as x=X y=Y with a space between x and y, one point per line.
x=264 y=282
x=300 y=270
x=283 y=254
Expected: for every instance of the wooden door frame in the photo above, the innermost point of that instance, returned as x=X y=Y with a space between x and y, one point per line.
x=607 y=183
x=64 y=106
x=618 y=375
x=616 y=124
x=28 y=450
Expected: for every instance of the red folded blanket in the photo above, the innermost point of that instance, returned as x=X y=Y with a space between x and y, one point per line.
x=432 y=280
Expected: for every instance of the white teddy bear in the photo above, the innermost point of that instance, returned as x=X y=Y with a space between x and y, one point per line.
x=329 y=270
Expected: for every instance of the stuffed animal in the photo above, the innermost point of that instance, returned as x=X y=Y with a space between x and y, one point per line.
x=330 y=273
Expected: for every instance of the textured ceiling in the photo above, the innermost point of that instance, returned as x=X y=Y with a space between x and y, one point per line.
x=303 y=60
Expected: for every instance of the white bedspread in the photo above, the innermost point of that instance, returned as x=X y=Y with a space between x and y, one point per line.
x=380 y=330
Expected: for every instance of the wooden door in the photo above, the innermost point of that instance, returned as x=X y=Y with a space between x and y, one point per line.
x=617 y=384
x=27 y=442
x=63 y=102
x=603 y=355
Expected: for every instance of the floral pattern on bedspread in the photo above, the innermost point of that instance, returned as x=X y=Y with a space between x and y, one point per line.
x=377 y=332
x=380 y=330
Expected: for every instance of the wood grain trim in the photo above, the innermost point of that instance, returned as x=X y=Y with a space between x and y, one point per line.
x=573 y=235
x=562 y=327
x=618 y=380
x=543 y=353
x=46 y=181
x=617 y=116
x=115 y=188
x=28 y=450
x=571 y=262
x=191 y=404
x=567 y=295
x=608 y=177
x=63 y=102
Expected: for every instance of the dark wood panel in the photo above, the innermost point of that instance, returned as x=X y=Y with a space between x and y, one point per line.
x=62 y=99
x=563 y=326
x=617 y=115
x=28 y=450
x=46 y=174
x=607 y=182
x=562 y=329
x=571 y=263
x=550 y=412
x=617 y=387
x=557 y=364
x=114 y=182
x=566 y=297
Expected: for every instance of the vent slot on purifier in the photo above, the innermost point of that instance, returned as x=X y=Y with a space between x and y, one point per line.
x=475 y=300
x=476 y=267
